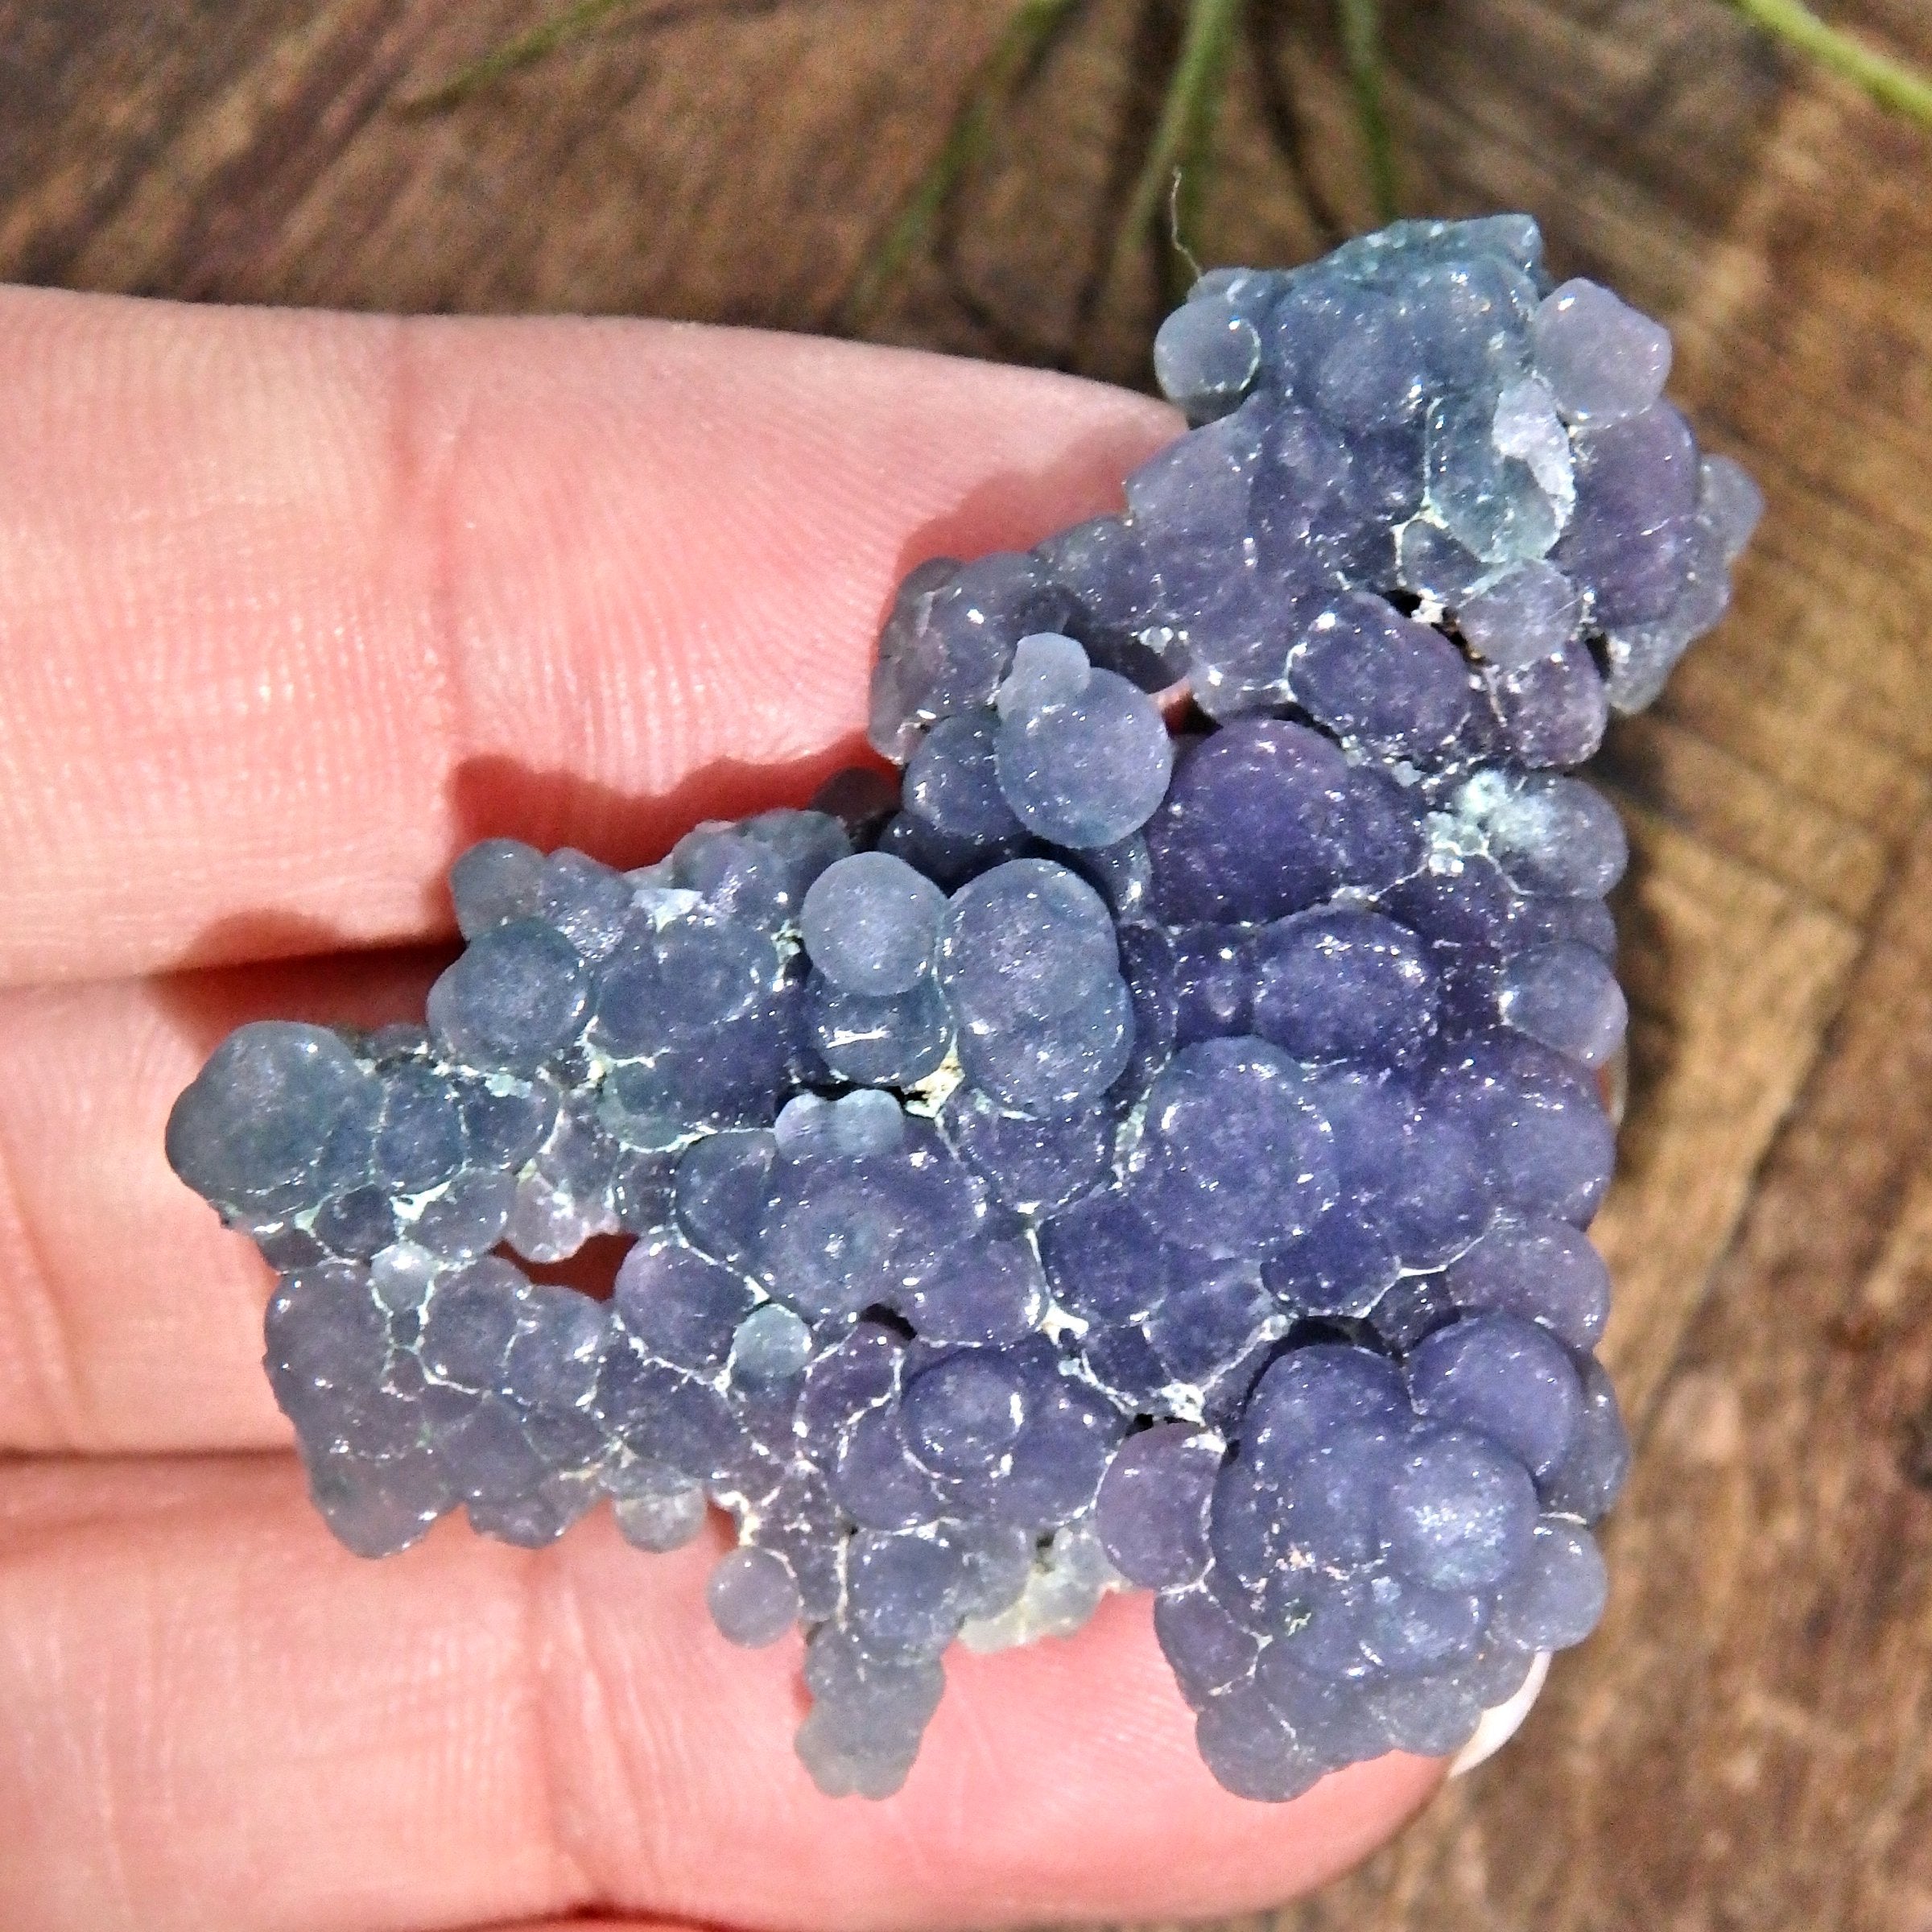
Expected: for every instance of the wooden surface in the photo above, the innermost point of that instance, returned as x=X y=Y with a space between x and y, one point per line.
x=1746 y=1744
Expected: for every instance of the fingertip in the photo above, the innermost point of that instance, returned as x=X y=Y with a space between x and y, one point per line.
x=1076 y=1760
x=1057 y=1780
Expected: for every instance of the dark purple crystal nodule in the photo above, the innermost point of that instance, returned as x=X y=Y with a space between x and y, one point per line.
x=1129 y=1155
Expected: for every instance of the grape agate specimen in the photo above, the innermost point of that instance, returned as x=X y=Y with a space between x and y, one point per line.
x=1148 y=1145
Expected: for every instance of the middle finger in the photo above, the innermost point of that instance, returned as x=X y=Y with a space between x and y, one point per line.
x=131 y=1319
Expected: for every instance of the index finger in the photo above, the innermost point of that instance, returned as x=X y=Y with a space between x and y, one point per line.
x=294 y=606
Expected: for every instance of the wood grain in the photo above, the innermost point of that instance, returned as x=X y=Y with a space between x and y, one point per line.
x=1745 y=1744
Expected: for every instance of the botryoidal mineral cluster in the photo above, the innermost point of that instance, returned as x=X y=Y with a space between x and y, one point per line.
x=1148 y=1145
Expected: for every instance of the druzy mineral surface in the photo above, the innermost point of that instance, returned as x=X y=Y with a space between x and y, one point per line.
x=1148 y=1145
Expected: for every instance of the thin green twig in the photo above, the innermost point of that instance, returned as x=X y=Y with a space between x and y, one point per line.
x=1361 y=22
x=524 y=51
x=1183 y=137
x=1022 y=42
x=1890 y=83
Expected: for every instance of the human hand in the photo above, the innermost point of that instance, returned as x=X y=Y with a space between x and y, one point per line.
x=292 y=608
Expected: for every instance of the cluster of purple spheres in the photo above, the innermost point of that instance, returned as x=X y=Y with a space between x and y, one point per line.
x=1146 y=1146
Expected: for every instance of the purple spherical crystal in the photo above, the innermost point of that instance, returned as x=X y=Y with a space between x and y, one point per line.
x=892 y=1039
x=1345 y=986
x=1601 y=358
x=516 y=998
x=1206 y=353
x=1082 y=755
x=1565 y=996
x=1152 y=1508
x=1148 y=1144
x=752 y=1597
x=1210 y=1101
x=869 y=924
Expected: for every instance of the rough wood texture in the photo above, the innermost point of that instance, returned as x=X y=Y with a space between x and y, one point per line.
x=1745 y=1745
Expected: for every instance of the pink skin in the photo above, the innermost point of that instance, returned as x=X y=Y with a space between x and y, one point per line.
x=291 y=608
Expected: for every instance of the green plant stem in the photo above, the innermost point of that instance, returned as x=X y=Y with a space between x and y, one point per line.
x=1889 y=82
x=524 y=51
x=1021 y=42
x=1360 y=23
x=1183 y=135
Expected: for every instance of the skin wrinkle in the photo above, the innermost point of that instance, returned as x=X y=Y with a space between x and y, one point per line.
x=956 y=1808
x=85 y=1161
x=615 y=1748
x=659 y=670
x=148 y=1767
x=45 y=1347
x=139 y=1682
x=240 y=1312
x=594 y=1925
x=560 y=1882
x=111 y=1837
x=553 y=1652
x=421 y=482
